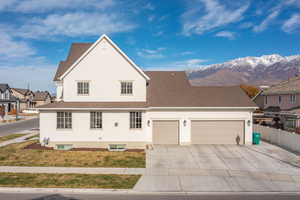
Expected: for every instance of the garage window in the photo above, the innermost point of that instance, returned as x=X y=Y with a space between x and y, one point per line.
x=135 y=120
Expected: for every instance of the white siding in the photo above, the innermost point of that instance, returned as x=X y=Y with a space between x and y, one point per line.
x=59 y=90
x=104 y=67
x=81 y=131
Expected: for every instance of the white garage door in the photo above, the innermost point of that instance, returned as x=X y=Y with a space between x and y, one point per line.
x=217 y=132
x=165 y=132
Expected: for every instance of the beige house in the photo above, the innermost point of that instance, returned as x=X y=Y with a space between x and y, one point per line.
x=41 y=98
x=283 y=99
x=25 y=97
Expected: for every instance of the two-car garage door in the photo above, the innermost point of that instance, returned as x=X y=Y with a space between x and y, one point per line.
x=202 y=132
x=217 y=132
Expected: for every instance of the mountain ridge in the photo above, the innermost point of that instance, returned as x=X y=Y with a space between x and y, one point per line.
x=263 y=70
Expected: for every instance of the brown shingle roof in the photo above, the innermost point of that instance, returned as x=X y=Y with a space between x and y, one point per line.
x=292 y=85
x=76 y=50
x=172 y=89
x=21 y=90
x=41 y=95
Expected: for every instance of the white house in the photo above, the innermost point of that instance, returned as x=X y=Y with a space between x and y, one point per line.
x=105 y=100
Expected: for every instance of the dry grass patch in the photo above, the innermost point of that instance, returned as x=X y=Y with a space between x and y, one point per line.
x=16 y=155
x=68 y=180
x=10 y=137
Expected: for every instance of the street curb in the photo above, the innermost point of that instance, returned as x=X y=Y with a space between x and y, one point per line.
x=128 y=191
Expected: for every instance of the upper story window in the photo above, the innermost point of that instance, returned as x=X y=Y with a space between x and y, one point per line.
x=293 y=98
x=126 y=87
x=96 y=119
x=83 y=88
x=64 y=120
x=135 y=119
x=279 y=99
x=266 y=99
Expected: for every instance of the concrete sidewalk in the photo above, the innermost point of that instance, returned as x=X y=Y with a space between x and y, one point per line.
x=72 y=170
x=19 y=139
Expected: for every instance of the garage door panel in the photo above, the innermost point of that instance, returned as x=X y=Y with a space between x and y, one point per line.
x=216 y=132
x=165 y=132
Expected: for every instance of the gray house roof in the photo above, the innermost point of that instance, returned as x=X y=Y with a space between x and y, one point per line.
x=3 y=87
x=290 y=86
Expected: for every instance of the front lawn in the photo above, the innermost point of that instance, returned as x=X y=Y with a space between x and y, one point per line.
x=16 y=155
x=10 y=137
x=68 y=180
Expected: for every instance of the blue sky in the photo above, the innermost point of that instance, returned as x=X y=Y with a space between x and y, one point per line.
x=157 y=34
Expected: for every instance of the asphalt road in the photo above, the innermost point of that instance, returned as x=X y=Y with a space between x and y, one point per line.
x=17 y=127
x=28 y=196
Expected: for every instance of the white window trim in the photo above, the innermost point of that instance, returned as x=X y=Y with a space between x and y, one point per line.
x=89 y=87
x=126 y=94
x=64 y=121
x=133 y=121
x=101 y=120
x=293 y=98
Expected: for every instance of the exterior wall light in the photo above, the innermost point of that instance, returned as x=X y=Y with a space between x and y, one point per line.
x=184 y=122
x=148 y=123
x=116 y=124
x=249 y=123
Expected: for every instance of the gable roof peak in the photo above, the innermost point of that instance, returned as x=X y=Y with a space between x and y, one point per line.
x=66 y=69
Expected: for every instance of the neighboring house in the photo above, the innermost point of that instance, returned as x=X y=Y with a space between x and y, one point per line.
x=259 y=100
x=41 y=98
x=283 y=100
x=105 y=100
x=25 y=97
x=7 y=101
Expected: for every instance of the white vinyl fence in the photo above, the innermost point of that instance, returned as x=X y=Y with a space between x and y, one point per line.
x=279 y=137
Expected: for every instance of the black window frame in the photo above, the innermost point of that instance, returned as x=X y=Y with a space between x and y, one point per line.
x=96 y=120
x=83 y=88
x=126 y=87
x=135 y=120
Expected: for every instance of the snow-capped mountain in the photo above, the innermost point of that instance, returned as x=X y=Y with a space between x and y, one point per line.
x=264 y=70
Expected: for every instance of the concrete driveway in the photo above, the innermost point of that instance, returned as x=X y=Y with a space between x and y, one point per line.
x=196 y=168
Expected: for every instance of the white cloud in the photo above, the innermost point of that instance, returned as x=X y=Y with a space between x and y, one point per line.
x=185 y=53
x=217 y=15
x=48 y=5
x=151 y=18
x=178 y=65
x=291 y=24
x=246 y=25
x=151 y=53
x=149 y=6
x=266 y=22
x=292 y=3
x=226 y=34
x=73 y=25
x=159 y=33
x=11 y=48
x=38 y=76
